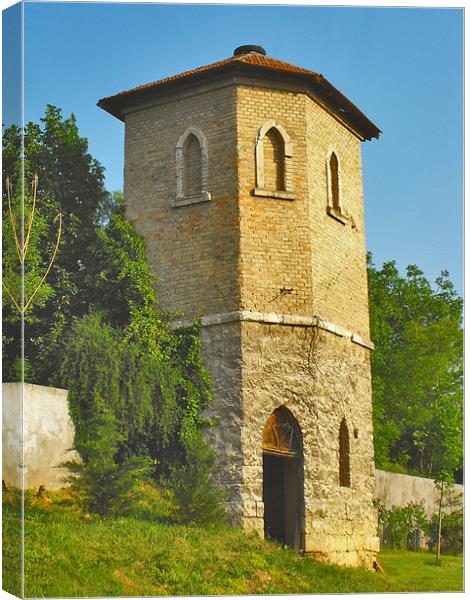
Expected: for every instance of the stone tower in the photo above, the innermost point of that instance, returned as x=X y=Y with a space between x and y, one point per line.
x=244 y=179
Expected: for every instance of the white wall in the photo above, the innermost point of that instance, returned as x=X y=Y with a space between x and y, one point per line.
x=47 y=435
x=396 y=490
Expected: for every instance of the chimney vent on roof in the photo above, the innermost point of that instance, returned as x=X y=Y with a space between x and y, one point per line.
x=247 y=49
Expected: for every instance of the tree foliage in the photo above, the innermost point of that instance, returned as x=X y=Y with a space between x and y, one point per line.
x=157 y=403
x=401 y=527
x=98 y=330
x=31 y=234
x=416 y=370
x=69 y=181
x=195 y=497
x=452 y=527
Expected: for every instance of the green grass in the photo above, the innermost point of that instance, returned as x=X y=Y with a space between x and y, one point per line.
x=419 y=573
x=68 y=553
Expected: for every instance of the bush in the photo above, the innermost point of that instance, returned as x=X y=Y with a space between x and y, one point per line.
x=105 y=486
x=191 y=487
x=157 y=391
x=401 y=527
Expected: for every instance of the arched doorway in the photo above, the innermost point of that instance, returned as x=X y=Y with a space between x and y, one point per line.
x=283 y=478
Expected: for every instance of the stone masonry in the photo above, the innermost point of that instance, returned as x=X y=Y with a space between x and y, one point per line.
x=278 y=278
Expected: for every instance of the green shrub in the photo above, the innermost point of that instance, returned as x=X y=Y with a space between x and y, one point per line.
x=195 y=497
x=157 y=391
x=105 y=486
x=401 y=527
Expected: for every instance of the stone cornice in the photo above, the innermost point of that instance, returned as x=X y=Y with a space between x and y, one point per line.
x=278 y=319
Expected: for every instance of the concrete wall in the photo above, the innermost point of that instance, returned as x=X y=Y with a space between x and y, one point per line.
x=397 y=490
x=48 y=435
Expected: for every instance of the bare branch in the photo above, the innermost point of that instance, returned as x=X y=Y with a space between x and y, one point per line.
x=28 y=304
x=19 y=249
x=12 y=298
x=34 y=189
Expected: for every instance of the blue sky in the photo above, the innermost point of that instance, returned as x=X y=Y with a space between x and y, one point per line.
x=403 y=67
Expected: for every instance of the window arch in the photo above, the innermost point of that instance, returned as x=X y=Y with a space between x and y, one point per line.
x=344 y=456
x=192 y=166
x=273 y=162
x=282 y=434
x=333 y=171
x=273 y=151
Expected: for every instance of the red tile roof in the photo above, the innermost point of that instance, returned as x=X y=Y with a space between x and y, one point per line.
x=114 y=104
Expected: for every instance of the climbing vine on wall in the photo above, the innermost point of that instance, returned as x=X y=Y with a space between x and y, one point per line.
x=312 y=342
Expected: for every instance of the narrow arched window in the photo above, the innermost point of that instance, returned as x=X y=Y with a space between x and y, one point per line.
x=273 y=156
x=273 y=148
x=192 y=166
x=344 y=458
x=334 y=182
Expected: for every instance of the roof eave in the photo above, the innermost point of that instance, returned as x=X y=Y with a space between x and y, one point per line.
x=352 y=115
x=344 y=108
x=115 y=104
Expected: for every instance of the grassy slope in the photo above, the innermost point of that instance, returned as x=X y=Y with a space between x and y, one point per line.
x=68 y=555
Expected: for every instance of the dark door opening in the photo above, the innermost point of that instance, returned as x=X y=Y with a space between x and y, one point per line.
x=283 y=478
x=273 y=498
x=281 y=499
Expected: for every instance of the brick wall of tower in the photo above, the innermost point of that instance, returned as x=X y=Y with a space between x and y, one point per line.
x=296 y=244
x=338 y=249
x=245 y=252
x=192 y=249
x=275 y=236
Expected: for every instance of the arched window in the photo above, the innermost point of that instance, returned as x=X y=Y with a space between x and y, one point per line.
x=192 y=166
x=334 y=182
x=344 y=460
x=273 y=149
x=273 y=158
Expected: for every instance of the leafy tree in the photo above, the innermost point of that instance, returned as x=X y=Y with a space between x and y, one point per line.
x=401 y=527
x=100 y=333
x=416 y=370
x=446 y=526
x=69 y=181
x=56 y=152
x=30 y=240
